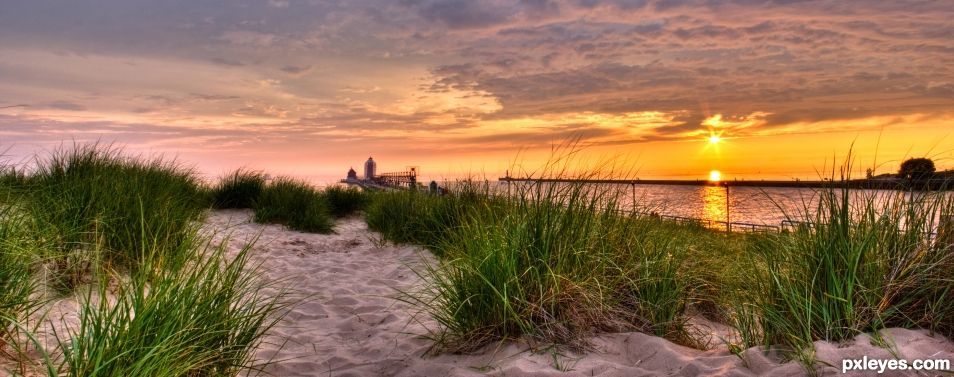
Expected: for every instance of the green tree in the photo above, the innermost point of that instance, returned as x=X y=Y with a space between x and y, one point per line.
x=917 y=168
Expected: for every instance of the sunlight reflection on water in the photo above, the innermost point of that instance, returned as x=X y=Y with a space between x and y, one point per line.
x=755 y=205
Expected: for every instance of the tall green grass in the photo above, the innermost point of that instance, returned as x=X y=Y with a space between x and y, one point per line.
x=553 y=264
x=345 y=201
x=93 y=199
x=160 y=299
x=417 y=218
x=12 y=180
x=295 y=204
x=864 y=263
x=239 y=189
x=17 y=283
x=199 y=316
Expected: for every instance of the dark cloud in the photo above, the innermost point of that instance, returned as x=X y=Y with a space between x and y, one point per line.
x=295 y=70
x=228 y=62
x=63 y=105
x=461 y=14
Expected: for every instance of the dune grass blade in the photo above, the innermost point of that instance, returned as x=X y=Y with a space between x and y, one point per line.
x=412 y=217
x=294 y=204
x=239 y=189
x=345 y=201
x=16 y=277
x=92 y=198
x=197 y=316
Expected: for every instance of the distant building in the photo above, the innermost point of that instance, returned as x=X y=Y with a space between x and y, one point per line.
x=352 y=175
x=370 y=169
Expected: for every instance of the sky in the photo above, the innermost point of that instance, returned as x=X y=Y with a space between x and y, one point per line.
x=313 y=87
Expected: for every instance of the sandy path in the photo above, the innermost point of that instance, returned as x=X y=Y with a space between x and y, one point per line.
x=352 y=325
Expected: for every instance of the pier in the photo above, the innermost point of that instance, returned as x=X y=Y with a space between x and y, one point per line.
x=371 y=180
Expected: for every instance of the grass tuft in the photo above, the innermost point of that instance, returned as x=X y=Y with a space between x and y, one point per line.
x=239 y=189
x=199 y=316
x=16 y=278
x=554 y=264
x=93 y=202
x=294 y=204
x=343 y=202
x=863 y=262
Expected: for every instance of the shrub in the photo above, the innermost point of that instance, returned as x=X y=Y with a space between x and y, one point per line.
x=294 y=204
x=239 y=189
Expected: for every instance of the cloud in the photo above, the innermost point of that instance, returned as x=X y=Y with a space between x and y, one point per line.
x=296 y=70
x=455 y=67
x=461 y=14
x=63 y=105
x=227 y=62
x=248 y=38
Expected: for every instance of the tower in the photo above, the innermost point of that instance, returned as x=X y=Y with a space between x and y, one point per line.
x=370 y=169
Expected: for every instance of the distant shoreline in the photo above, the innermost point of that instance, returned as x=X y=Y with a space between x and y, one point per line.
x=873 y=184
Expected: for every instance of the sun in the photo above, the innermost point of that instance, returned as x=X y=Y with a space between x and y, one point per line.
x=715 y=176
x=714 y=139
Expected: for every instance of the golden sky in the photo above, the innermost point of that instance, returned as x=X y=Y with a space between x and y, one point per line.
x=313 y=87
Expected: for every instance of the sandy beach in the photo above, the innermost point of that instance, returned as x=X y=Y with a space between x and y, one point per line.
x=476 y=188
x=349 y=322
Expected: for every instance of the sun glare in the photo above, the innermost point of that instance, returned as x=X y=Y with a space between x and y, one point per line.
x=715 y=176
x=714 y=139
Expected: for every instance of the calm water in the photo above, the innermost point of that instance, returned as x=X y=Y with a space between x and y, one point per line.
x=767 y=206
x=754 y=205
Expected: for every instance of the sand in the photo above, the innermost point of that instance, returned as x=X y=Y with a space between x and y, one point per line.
x=348 y=321
x=352 y=325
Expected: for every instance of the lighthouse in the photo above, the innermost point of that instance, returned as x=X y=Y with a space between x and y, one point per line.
x=370 y=168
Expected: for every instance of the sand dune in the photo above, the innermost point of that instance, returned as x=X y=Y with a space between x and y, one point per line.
x=352 y=325
x=349 y=322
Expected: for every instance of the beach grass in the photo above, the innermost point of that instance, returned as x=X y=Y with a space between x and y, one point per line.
x=553 y=264
x=202 y=315
x=343 y=201
x=122 y=235
x=17 y=282
x=239 y=189
x=863 y=261
x=411 y=217
x=94 y=203
x=11 y=180
x=295 y=204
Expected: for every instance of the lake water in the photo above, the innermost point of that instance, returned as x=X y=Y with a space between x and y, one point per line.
x=753 y=205
x=756 y=205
